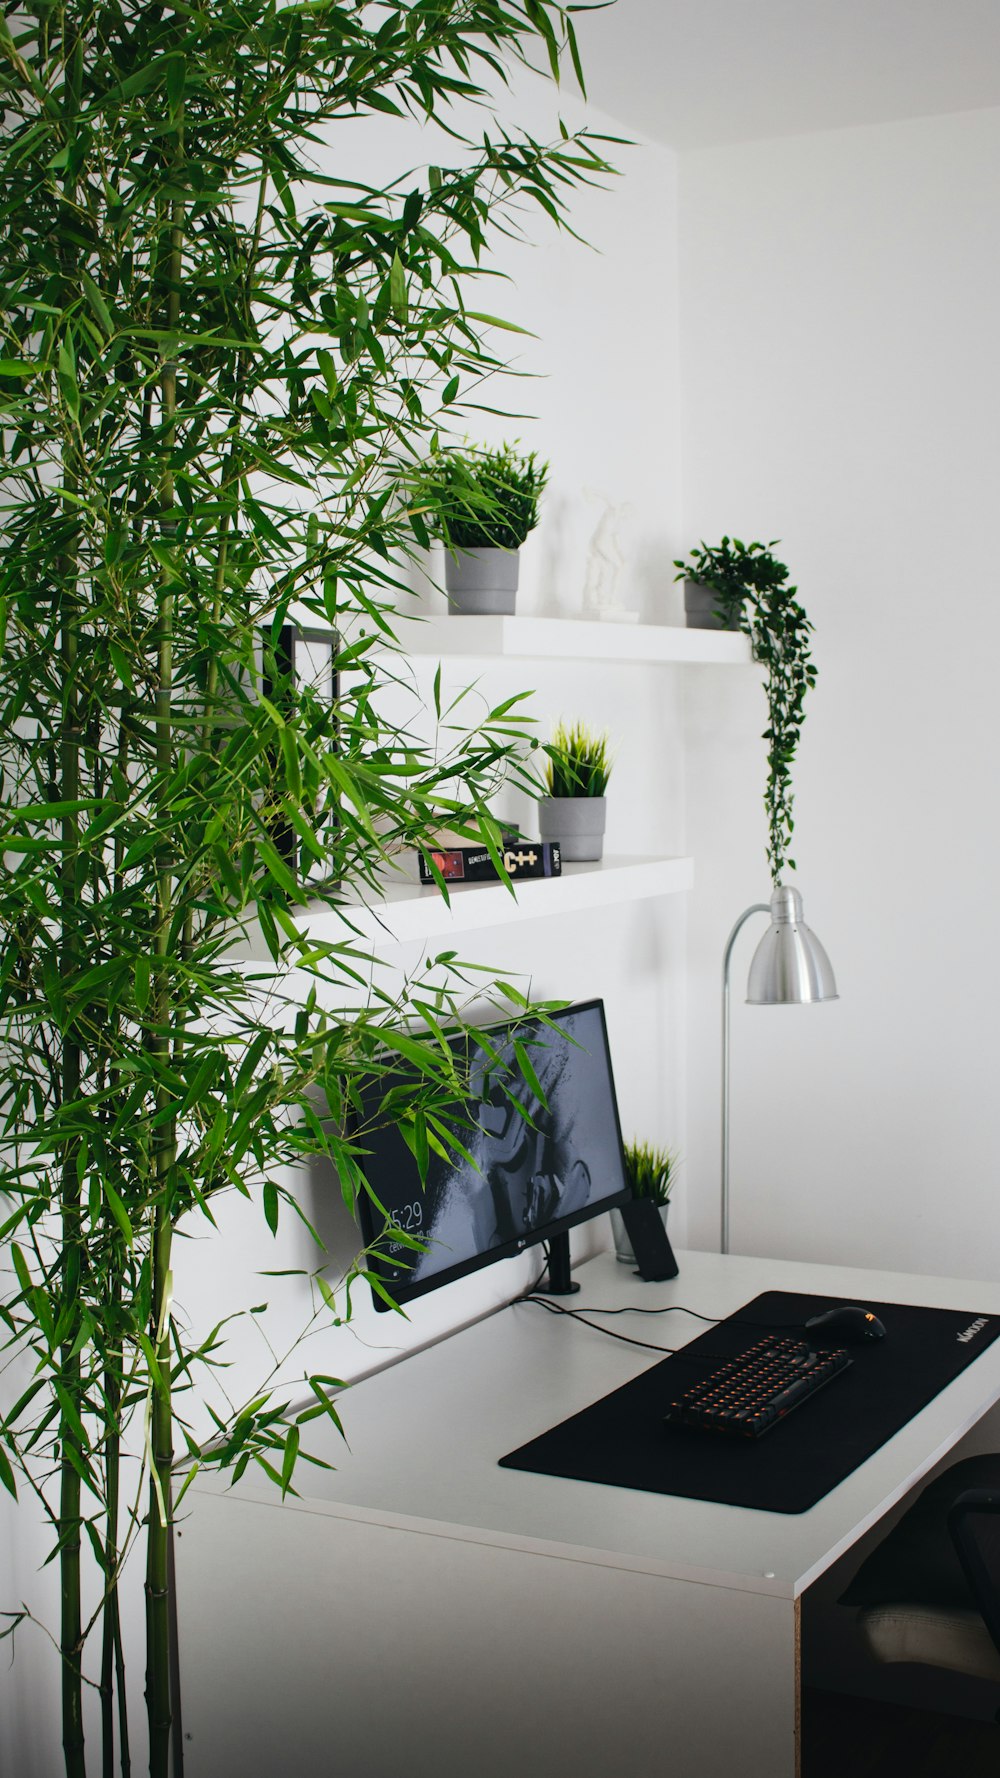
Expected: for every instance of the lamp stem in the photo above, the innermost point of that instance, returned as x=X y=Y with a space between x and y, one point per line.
x=759 y=907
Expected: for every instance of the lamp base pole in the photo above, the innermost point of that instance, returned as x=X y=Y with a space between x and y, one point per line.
x=759 y=907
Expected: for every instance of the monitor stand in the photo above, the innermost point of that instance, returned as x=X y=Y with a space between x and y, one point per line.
x=558 y=1280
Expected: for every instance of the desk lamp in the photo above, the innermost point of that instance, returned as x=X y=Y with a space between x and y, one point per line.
x=789 y=968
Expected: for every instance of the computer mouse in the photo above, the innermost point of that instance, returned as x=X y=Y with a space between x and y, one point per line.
x=852 y=1325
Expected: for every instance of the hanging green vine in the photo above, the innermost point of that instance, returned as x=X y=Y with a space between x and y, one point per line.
x=754 y=594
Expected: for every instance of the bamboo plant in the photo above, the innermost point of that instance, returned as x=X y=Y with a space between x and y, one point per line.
x=220 y=361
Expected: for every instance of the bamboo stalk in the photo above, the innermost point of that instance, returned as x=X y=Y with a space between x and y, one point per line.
x=112 y=1661
x=158 y=1653
x=159 y=1526
x=70 y=1362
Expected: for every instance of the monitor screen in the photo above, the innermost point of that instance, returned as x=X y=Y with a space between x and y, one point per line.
x=528 y=1175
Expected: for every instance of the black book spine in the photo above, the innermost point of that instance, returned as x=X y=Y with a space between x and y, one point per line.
x=473 y=864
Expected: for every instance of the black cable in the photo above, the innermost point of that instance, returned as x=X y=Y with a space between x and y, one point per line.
x=580 y=1314
x=682 y=1309
x=533 y=1287
x=529 y=1294
x=543 y=1302
x=771 y=1327
x=667 y=1309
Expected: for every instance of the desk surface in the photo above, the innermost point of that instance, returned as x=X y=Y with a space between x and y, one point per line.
x=425 y=1435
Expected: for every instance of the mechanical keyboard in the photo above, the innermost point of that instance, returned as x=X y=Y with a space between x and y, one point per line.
x=746 y=1396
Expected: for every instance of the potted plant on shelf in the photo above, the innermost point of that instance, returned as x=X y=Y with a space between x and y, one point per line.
x=484 y=505
x=650 y=1173
x=752 y=593
x=576 y=774
x=718 y=582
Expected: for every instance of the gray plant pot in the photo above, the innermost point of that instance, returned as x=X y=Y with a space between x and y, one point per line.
x=700 y=608
x=482 y=582
x=623 y=1246
x=577 y=822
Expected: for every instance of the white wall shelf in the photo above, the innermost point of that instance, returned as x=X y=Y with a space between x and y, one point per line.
x=565 y=638
x=408 y=912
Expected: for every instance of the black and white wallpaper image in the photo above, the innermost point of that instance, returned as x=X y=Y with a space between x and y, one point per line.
x=529 y=1171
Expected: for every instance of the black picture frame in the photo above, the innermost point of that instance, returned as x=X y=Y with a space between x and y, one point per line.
x=301 y=658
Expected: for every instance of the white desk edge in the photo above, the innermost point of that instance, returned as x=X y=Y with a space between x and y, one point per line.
x=518 y=1371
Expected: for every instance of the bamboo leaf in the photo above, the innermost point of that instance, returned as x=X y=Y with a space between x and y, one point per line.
x=397 y=288
x=525 y=1064
x=290 y=1458
x=71 y=1414
x=118 y=1210
x=7 y=1474
x=420 y=1149
x=21 y=1268
x=498 y=321
x=98 y=305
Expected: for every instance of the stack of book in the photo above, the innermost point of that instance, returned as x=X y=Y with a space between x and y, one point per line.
x=459 y=861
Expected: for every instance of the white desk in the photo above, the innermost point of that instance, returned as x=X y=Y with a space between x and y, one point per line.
x=426 y=1613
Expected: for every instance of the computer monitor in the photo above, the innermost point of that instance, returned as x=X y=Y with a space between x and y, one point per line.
x=527 y=1176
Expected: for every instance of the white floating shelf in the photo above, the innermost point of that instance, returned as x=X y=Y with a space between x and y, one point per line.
x=410 y=912
x=566 y=638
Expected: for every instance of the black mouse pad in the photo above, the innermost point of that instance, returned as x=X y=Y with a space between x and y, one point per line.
x=622 y=1439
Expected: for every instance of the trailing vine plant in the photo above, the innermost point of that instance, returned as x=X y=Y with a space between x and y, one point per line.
x=754 y=594
x=219 y=361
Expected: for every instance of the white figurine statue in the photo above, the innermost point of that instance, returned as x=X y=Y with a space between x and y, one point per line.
x=605 y=562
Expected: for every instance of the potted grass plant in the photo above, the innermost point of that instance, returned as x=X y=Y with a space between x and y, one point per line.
x=650 y=1172
x=485 y=504
x=574 y=812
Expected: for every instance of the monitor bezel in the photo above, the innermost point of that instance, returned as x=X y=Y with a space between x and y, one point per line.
x=406 y=1290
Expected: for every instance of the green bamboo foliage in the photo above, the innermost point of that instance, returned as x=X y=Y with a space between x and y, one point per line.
x=219 y=366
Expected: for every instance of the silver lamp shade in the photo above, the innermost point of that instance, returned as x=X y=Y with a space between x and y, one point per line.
x=790 y=966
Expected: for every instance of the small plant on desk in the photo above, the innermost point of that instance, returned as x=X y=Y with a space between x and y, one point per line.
x=650 y=1171
x=650 y=1174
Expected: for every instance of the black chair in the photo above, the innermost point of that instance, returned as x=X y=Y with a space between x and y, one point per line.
x=930 y=1592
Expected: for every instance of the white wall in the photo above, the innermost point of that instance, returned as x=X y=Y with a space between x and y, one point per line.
x=609 y=430
x=839 y=302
